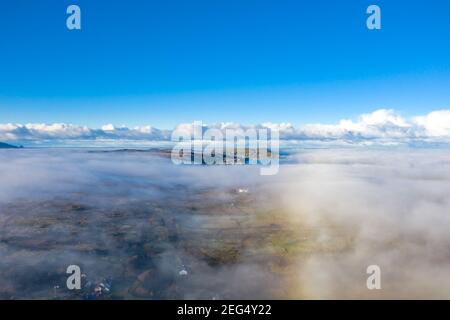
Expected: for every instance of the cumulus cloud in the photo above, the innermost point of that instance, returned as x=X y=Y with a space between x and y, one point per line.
x=435 y=124
x=379 y=124
x=62 y=131
x=384 y=126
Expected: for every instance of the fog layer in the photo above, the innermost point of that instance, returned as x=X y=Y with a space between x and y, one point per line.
x=151 y=230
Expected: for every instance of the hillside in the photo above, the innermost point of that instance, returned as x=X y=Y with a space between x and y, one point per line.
x=7 y=146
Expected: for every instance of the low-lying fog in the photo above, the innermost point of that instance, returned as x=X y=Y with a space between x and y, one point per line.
x=144 y=228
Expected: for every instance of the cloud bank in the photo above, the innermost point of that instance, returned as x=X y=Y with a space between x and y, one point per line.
x=372 y=207
x=133 y=218
x=308 y=232
x=380 y=126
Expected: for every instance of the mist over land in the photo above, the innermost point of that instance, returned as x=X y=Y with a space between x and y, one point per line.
x=135 y=221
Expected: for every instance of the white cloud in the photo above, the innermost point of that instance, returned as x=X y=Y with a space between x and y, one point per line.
x=61 y=131
x=108 y=127
x=383 y=125
x=379 y=124
x=435 y=124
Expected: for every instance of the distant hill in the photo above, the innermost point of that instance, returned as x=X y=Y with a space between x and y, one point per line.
x=8 y=146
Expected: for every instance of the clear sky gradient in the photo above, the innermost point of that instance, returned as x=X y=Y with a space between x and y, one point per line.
x=249 y=61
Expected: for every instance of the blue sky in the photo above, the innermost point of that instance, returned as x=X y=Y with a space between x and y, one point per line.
x=250 y=61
